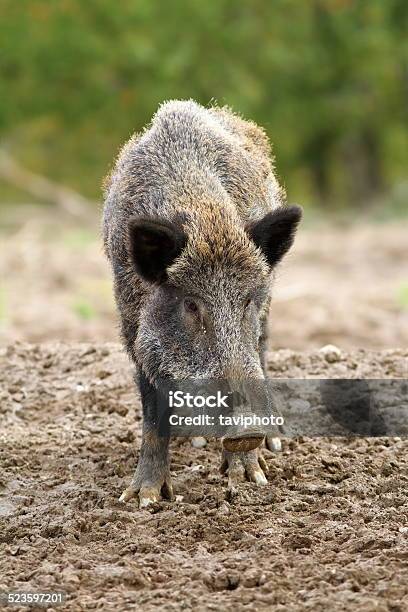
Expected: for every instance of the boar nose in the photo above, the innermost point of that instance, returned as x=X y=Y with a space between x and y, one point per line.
x=244 y=443
x=238 y=438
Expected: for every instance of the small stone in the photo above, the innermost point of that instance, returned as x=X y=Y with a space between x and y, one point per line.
x=179 y=498
x=331 y=353
x=224 y=508
x=198 y=442
x=197 y=468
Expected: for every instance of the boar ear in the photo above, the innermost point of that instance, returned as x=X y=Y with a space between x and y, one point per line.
x=274 y=233
x=154 y=245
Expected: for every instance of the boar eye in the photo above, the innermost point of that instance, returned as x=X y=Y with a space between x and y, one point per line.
x=190 y=306
x=248 y=303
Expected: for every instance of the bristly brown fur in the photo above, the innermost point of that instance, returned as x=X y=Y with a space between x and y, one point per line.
x=209 y=171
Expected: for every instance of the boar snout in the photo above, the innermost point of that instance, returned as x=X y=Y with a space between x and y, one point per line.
x=244 y=443
x=244 y=396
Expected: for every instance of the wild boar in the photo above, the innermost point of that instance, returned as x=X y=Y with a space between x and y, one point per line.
x=194 y=226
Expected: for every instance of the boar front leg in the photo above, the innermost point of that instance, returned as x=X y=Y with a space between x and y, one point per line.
x=272 y=443
x=151 y=480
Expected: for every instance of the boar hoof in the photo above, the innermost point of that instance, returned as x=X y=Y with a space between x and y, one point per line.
x=148 y=494
x=240 y=445
x=248 y=465
x=127 y=495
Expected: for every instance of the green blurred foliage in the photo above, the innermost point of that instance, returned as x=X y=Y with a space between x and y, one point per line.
x=402 y=296
x=84 y=310
x=328 y=79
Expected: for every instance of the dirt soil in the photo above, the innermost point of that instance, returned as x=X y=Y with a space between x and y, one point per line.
x=328 y=532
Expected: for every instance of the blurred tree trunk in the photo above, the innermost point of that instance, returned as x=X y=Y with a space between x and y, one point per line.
x=43 y=188
x=363 y=167
x=317 y=153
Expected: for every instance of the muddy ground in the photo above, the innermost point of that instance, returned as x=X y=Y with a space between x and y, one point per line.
x=328 y=532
